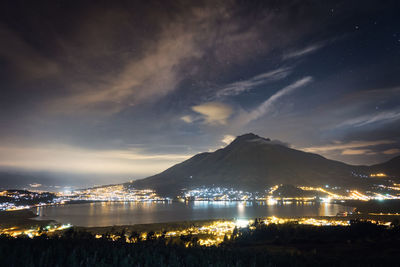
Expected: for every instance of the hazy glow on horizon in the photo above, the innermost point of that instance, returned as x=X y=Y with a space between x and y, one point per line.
x=78 y=160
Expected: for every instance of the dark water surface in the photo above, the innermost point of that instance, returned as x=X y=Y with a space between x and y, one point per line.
x=128 y=213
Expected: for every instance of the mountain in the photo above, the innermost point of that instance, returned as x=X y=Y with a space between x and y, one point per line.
x=391 y=167
x=253 y=163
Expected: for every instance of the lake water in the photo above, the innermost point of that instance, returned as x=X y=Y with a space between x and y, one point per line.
x=128 y=213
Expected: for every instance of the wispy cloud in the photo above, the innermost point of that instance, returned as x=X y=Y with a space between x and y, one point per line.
x=187 y=118
x=381 y=117
x=391 y=151
x=268 y=104
x=159 y=67
x=239 y=87
x=214 y=113
x=303 y=51
x=357 y=152
x=149 y=77
x=350 y=148
x=227 y=139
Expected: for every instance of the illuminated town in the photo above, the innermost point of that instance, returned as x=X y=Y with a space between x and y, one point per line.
x=114 y=193
x=22 y=199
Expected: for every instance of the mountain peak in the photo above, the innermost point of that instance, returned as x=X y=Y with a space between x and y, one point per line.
x=249 y=137
x=250 y=162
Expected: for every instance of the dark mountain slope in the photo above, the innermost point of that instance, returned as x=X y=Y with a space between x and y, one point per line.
x=391 y=167
x=252 y=163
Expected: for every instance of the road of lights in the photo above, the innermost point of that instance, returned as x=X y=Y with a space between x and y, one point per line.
x=320 y=189
x=377 y=175
x=359 y=196
x=306 y=221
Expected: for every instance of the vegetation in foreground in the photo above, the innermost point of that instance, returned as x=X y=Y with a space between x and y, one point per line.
x=360 y=244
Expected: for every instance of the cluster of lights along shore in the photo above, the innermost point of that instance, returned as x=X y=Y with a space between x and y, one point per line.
x=209 y=234
x=387 y=189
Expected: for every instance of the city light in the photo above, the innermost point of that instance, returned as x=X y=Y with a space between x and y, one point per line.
x=377 y=175
x=241 y=223
x=20 y=199
x=32 y=232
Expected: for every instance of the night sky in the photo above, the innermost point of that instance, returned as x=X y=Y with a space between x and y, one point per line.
x=125 y=89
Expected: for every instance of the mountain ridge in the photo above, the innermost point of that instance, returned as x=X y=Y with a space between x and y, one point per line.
x=390 y=167
x=251 y=162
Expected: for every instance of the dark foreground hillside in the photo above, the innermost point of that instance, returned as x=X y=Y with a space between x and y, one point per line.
x=361 y=244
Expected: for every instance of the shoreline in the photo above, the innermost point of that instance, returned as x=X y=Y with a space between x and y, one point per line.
x=28 y=218
x=196 y=223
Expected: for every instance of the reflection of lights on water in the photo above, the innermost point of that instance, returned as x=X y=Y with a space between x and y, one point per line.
x=205 y=203
x=271 y=201
x=326 y=208
x=241 y=209
x=326 y=200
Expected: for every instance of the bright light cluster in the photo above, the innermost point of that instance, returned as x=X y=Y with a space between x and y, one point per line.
x=330 y=194
x=209 y=235
x=377 y=175
x=115 y=193
x=219 y=193
x=22 y=199
x=16 y=232
x=306 y=221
